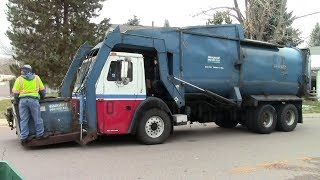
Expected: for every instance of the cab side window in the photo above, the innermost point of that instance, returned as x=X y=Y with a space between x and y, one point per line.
x=114 y=71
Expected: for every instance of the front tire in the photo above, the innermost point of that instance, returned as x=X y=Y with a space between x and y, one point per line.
x=154 y=127
x=287 y=118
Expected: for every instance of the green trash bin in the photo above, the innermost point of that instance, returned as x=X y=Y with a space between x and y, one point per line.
x=7 y=172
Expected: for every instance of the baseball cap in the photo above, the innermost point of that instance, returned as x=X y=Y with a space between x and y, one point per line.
x=26 y=66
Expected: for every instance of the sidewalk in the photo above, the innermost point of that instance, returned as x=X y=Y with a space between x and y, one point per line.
x=311 y=115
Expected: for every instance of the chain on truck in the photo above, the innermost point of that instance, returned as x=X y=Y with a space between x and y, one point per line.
x=144 y=81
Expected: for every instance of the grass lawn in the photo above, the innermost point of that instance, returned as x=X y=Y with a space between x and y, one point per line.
x=311 y=107
x=3 y=107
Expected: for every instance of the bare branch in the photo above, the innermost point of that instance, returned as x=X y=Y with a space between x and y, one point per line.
x=213 y=9
x=277 y=31
x=237 y=9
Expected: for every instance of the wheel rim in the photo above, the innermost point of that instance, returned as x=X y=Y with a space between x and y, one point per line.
x=267 y=119
x=154 y=126
x=290 y=117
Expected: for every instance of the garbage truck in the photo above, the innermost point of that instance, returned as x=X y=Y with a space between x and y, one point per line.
x=145 y=81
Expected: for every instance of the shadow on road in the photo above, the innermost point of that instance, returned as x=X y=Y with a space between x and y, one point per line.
x=181 y=134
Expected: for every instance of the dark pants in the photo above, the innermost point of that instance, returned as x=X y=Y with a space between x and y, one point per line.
x=30 y=107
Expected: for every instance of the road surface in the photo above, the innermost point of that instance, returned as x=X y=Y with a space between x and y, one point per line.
x=202 y=151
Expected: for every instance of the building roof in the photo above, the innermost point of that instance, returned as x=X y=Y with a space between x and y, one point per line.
x=315 y=50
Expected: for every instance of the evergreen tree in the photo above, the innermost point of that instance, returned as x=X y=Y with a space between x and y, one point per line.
x=46 y=34
x=315 y=36
x=134 y=21
x=220 y=17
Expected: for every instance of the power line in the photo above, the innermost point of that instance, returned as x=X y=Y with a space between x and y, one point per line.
x=298 y=17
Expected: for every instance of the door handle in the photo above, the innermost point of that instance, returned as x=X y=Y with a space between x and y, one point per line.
x=128 y=108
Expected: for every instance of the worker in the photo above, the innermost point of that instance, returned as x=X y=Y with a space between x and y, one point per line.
x=28 y=89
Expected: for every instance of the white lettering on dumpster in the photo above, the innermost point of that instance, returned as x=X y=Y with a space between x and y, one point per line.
x=61 y=107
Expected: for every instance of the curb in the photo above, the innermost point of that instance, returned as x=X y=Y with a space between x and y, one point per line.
x=311 y=116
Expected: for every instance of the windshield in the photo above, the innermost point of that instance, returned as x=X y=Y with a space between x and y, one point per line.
x=82 y=73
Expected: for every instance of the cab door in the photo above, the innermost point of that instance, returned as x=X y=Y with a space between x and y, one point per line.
x=119 y=96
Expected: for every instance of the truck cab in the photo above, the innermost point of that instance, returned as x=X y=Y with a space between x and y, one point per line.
x=119 y=90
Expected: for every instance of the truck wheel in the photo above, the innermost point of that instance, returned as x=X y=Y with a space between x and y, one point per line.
x=154 y=127
x=287 y=118
x=263 y=120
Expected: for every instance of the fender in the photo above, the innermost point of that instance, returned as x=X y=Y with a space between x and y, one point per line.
x=149 y=103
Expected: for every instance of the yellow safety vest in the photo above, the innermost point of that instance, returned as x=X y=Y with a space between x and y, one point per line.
x=25 y=87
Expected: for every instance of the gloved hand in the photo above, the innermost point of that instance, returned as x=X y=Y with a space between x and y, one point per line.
x=16 y=97
x=42 y=94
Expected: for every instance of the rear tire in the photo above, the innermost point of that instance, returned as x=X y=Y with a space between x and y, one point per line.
x=287 y=118
x=154 y=127
x=262 y=120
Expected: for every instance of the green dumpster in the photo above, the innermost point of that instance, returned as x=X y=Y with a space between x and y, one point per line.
x=7 y=172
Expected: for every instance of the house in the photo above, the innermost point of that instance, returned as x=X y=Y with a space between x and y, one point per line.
x=5 y=76
x=315 y=70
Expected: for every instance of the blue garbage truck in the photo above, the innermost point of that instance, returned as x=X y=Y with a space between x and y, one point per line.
x=146 y=80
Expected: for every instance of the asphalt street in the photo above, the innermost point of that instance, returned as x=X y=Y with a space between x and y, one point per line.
x=199 y=151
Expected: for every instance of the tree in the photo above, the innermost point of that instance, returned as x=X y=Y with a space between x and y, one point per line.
x=134 y=21
x=15 y=69
x=220 y=17
x=315 y=36
x=46 y=34
x=264 y=20
x=166 y=23
x=4 y=50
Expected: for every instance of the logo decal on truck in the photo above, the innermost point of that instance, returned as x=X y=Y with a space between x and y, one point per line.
x=214 y=59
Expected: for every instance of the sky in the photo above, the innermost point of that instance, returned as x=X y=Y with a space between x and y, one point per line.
x=179 y=13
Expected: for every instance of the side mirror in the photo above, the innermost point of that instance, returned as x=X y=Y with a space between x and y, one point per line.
x=126 y=71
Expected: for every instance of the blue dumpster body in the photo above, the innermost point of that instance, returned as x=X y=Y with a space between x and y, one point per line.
x=56 y=114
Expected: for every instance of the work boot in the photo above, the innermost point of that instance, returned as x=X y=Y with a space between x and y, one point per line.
x=44 y=136
x=29 y=138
